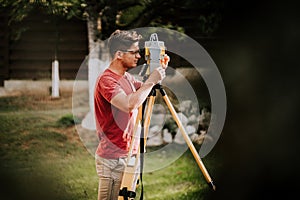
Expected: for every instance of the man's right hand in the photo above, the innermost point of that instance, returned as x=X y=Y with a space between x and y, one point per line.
x=156 y=76
x=159 y=73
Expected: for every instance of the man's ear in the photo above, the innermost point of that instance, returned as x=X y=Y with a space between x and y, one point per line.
x=119 y=54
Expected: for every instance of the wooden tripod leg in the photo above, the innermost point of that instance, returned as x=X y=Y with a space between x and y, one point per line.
x=148 y=115
x=188 y=141
x=128 y=184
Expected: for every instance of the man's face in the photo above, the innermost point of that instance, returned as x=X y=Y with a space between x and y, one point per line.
x=131 y=56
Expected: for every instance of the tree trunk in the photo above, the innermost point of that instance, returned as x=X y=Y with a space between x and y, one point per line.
x=98 y=61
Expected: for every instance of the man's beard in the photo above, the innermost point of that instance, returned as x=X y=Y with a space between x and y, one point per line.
x=127 y=67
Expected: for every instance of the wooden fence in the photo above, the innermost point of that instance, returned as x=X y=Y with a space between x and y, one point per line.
x=4 y=48
x=43 y=39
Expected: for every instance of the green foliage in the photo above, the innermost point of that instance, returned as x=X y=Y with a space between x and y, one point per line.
x=125 y=14
x=193 y=16
x=18 y=10
x=128 y=15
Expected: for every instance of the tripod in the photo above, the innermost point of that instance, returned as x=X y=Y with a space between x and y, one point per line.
x=128 y=183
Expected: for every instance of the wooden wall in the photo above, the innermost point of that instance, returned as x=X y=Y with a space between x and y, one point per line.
x=4 y=48
x=30 y=56
x=46 y=37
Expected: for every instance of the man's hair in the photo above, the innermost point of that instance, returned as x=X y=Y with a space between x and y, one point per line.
x=122 y=40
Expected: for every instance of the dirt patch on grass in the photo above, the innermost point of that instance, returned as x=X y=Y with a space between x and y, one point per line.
x=69 y=132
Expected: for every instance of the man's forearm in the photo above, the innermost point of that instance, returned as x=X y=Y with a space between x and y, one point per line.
x=127 y=103
x=132 y=101
x=137 y=98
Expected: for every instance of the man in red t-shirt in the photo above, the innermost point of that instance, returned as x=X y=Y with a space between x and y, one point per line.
x=117 y=98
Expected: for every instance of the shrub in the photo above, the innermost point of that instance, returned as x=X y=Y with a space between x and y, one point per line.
x=67 y=120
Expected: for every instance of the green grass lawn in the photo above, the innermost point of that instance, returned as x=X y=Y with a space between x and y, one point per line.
x=42 y=157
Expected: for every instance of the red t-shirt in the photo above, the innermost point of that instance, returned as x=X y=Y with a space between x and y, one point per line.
x=111 y=122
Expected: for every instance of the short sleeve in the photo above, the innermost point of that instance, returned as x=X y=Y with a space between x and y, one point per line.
x=109 y=87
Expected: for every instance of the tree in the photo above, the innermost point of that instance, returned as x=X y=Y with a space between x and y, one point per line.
x=104 y=16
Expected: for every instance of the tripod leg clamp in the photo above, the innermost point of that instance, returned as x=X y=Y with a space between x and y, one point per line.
x=127 y=194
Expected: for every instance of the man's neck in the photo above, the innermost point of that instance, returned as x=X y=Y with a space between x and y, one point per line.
x=117 y=68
